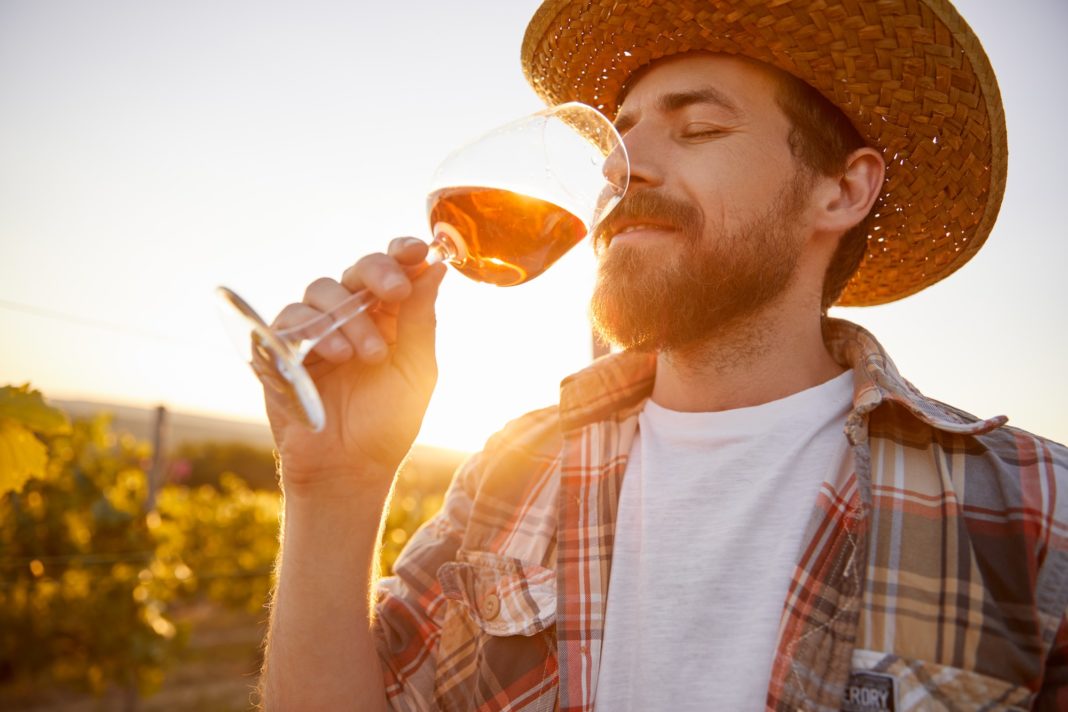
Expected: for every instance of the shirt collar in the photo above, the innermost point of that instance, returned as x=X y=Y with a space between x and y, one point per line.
x=619 y=384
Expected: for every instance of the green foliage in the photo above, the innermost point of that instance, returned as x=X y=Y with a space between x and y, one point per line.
x=195 y=464
x=90 y=580
x=23 y=416
x=221 y=542
x=75 y=607
x=20 y=404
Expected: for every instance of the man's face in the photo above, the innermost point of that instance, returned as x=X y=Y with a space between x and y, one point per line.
x=711 y=228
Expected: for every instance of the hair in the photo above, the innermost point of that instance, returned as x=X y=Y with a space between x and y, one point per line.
x=821 y=139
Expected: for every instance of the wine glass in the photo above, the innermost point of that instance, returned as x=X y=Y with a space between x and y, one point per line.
x=502 y=210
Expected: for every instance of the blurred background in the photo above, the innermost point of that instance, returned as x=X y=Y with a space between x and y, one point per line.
x=152 y=150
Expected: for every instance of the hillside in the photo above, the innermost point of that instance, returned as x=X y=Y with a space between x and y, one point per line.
x=427 y=463
x=181 y=427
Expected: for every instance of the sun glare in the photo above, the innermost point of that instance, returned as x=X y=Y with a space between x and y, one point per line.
x=135 y=205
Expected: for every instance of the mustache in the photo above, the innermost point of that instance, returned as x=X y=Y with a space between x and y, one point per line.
x=650 y=206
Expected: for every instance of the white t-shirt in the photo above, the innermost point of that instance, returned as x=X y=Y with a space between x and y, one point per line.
x=712 y=511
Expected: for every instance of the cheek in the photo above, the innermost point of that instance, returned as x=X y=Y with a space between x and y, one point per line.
x=705 y=180
x=757 y=166
x=752 y=180
x=724 y=189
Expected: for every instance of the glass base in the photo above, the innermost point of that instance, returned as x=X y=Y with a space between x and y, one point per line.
x=278 y=365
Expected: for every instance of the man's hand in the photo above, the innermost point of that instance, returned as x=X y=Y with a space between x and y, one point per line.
x=375 y=375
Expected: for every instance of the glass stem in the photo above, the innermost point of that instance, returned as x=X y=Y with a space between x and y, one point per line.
x=302 y=338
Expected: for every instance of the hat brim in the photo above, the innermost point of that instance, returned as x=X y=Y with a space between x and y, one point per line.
x=910 y=74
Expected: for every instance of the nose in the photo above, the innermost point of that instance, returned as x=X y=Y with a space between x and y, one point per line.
x=645 y=169
x=617 y=167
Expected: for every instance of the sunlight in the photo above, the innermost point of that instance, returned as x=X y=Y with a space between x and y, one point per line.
x=136 y=205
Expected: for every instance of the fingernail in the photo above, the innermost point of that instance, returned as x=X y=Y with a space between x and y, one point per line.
x=337 y=344
x=393 y=282
x=373 y=347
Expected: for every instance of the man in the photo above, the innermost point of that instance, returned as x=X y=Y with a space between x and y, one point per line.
x=748 y=506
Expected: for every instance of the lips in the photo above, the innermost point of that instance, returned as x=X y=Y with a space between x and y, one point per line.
x=649 y=211
x=621 y=228
x=638 y=227
x=624 y=228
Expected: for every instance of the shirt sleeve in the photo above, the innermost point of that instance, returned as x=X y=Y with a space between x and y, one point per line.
x=410 y=605
x=1054 y=693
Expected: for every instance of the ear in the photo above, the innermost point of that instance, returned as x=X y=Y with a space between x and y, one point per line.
x=846 y=199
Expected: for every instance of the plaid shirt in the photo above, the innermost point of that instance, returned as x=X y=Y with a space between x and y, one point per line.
x=935 y=575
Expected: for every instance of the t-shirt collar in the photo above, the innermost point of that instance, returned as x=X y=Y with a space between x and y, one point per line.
x=618 y=384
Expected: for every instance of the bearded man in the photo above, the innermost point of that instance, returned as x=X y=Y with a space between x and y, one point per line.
x=746 y=506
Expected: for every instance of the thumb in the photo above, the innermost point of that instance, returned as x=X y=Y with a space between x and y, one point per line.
x=417 y=323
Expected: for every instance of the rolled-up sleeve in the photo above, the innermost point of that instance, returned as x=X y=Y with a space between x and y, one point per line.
x=410 y=604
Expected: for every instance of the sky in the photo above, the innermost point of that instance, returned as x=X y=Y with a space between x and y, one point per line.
x=152 y=150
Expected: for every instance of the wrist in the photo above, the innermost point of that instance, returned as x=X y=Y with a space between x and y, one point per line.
x=324 y=519
x=348 y=487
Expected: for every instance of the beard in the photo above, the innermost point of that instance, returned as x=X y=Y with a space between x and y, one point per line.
x=664 y=301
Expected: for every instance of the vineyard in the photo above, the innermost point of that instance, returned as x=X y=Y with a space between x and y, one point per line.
x=120 y=593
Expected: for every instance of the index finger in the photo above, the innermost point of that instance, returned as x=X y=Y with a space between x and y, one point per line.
x=409 y=253
x=408 y=250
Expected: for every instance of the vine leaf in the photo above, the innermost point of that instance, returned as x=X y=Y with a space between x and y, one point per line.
x=22 y=456
x=28 y=407
x=24 y=415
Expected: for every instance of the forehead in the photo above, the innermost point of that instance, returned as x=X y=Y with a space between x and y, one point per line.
x=748 y=84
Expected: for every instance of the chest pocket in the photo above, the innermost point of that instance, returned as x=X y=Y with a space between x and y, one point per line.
x=498 y=640
x=880 y=681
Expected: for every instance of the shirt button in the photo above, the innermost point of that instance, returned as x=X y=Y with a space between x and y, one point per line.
x=491 y=606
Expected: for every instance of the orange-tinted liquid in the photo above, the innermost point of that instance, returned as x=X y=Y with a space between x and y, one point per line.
x=510 y=238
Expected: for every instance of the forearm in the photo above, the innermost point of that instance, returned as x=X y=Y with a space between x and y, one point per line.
x=321 y=651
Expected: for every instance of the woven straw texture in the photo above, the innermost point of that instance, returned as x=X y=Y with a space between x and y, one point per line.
x=910 y=74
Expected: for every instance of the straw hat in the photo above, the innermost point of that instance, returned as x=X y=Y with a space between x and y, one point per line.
x=910 y=74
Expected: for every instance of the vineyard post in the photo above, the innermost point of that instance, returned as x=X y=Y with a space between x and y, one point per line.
x=155 y=473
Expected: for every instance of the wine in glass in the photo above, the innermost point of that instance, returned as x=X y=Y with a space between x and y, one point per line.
x=502 y=210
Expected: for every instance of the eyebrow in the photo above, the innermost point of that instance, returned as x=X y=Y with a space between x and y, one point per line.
x=676 y=101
